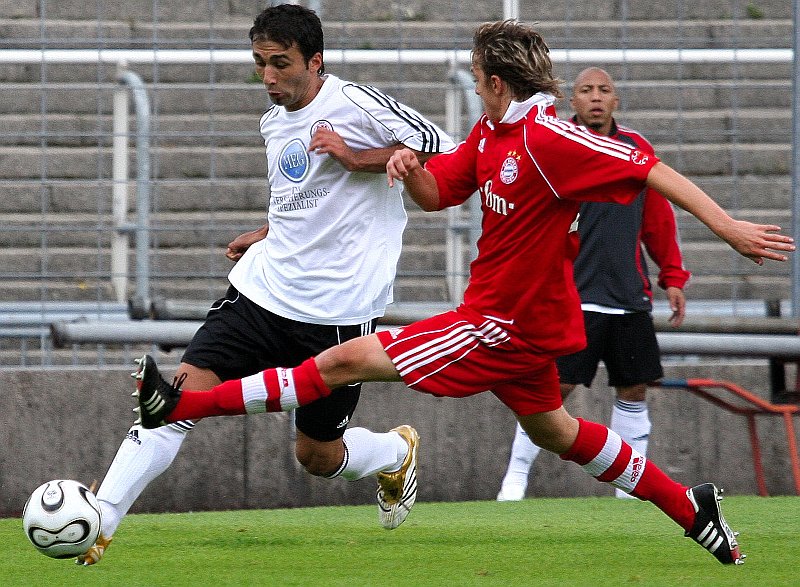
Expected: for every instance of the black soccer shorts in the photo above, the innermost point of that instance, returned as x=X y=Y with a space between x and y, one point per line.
x=627 y=345
x=240 y=338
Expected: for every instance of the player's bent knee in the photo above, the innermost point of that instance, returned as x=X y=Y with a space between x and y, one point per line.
x=320 y=459
x=319 y=467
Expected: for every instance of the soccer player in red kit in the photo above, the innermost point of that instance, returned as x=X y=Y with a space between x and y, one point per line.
x=521 y=309
x=612 y=277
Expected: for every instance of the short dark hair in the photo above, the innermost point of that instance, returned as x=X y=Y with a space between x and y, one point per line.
x=290 y=24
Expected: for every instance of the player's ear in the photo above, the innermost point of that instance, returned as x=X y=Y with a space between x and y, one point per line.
x=498 y=85
x=315 y=63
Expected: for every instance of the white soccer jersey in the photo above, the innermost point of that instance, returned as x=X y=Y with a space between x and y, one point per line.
x=334 y=237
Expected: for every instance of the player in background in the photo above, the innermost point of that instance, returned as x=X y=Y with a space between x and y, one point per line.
x=521 y=308
x=318 y=273
x=615 y=290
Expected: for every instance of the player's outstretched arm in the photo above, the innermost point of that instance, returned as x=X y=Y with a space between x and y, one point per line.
x=331 y=143
x=420 y=184
x=755 y=241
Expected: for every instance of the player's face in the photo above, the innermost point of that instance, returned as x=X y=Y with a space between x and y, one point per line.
x=594 y=100
x=493 y=103
x=290 y=81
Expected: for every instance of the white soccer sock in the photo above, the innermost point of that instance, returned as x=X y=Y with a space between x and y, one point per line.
x=523 y=453
x=368 y=453
x=631 y=421
x=142 y=456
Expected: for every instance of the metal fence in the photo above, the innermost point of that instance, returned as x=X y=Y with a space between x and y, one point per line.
x=710 y=84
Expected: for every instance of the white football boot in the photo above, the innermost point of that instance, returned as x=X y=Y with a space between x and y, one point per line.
x=397 y=491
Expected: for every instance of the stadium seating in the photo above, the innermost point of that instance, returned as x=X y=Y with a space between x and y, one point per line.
x=726 y=125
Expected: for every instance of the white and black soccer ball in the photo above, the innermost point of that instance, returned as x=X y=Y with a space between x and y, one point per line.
x=62 y=518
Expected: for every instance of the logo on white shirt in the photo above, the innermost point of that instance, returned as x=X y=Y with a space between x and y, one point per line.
x=293 y=161
x=321 y=124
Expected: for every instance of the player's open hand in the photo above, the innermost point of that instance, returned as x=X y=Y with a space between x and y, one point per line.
x=677 y=303
x=759 y=241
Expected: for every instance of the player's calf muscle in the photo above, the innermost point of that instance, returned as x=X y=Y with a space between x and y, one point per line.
x=354 y=361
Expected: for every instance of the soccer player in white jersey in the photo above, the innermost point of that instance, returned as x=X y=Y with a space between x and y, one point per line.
x=318 y=273
x=521 y=308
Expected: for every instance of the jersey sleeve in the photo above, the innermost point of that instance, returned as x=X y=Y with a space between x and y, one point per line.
x=455 y=171
x=660 y=238
x=580 y=165
x=398 y=122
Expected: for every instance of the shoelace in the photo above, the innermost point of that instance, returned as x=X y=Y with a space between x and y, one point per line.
x=177 y=382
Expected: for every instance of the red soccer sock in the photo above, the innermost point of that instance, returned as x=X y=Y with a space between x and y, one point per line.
x=223 y=400
x=272 y=390
x=608 y=458
x=290 y=388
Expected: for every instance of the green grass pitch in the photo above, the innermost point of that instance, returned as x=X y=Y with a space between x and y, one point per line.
x=543 y=542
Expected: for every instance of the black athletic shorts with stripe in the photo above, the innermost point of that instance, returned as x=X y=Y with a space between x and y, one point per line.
x=627 y=345
x=240 y=338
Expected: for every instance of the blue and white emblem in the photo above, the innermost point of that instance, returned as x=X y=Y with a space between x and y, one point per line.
x=293 y=161
x=509 y=170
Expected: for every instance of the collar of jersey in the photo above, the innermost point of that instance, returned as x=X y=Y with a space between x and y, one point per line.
x=517 y=110
x=329 y=82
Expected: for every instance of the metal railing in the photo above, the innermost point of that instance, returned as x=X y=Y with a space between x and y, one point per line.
x=731 y=342
x=464 y=224
x=119 y=246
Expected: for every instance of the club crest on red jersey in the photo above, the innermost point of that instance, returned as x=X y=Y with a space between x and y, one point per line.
x=509 y=170
x=638 y=157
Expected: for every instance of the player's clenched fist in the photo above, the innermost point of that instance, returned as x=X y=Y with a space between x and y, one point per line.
x=419 y=183
x=403 y=162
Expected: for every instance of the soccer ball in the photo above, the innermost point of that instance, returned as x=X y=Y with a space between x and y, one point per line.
x=62 y=518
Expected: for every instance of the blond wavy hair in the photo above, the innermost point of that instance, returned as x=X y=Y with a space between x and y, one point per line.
x=518 y=55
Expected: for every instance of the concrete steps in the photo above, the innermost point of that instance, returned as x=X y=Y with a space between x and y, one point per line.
x=383 y=75
x=135 y=13
x=203 y=288
x=37 y=197
x=693 y=232
x=751 y=286
x=726 y=125
x=222 y=129
x=187 y=162
x=34 y=201
x=750 y=283
x=765 y=192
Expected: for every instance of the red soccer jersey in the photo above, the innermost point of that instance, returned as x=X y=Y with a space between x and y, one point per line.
x=531 y=173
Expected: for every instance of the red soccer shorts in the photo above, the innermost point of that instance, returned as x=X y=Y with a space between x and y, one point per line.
x=461 y=353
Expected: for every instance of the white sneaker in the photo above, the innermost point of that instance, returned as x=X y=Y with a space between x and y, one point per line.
x=397 y=491
x=511 y=493
x=619 y=494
